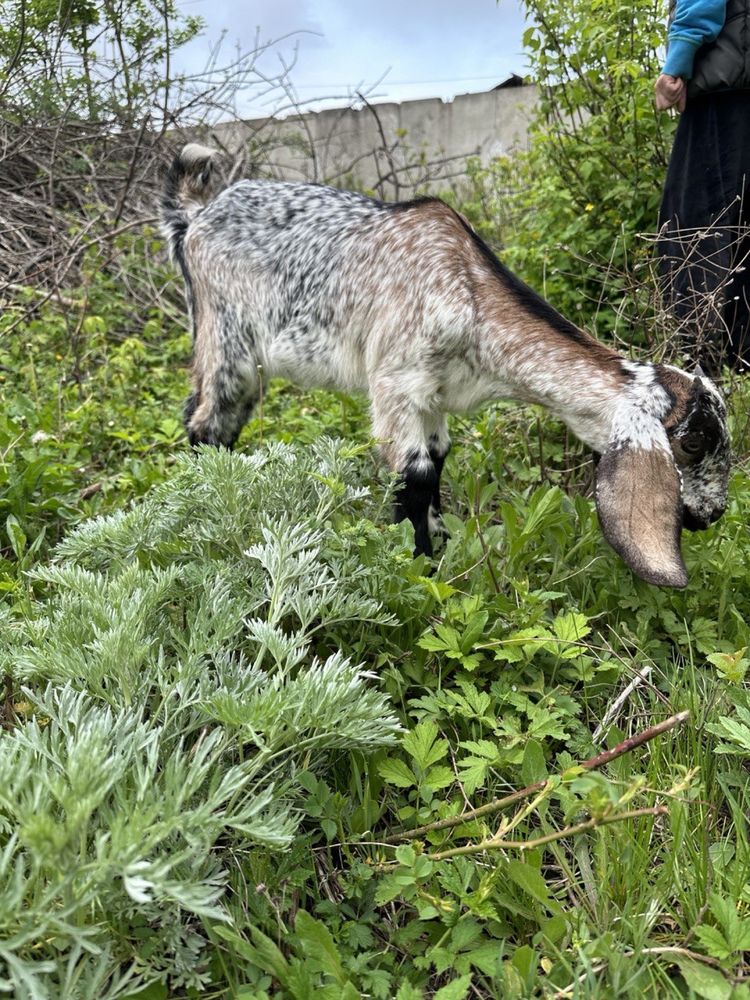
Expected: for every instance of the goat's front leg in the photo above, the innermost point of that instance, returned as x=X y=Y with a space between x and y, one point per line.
x=415 y=496
x=403 y=429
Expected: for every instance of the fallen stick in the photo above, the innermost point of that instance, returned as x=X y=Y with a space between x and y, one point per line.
x=508 y=800
x=498 y=844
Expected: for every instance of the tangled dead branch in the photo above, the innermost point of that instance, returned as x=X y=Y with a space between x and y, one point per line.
x=90 y=113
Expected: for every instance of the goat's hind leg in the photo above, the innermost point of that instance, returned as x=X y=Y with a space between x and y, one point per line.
x=220 y=406
x=225 y=372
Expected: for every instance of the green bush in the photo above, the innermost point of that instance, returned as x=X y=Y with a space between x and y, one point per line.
x=568 y=210
x=196 y=788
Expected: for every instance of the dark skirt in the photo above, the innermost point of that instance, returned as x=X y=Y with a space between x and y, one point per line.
x=704 y=244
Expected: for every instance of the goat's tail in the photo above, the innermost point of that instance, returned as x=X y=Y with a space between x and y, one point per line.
x=187 y=188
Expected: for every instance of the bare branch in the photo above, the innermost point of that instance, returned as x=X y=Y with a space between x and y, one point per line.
x=592 y=764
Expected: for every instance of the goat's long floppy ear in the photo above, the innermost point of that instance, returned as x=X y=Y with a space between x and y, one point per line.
x=639 y=501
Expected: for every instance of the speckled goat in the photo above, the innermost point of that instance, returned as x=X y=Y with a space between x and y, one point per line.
x=405 y=302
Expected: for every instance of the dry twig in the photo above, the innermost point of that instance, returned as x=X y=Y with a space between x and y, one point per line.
x=639 y=739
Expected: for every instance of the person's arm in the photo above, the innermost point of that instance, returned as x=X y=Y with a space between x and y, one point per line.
x=696 y=22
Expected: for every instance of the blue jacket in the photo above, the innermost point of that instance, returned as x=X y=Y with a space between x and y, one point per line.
x=695 y=23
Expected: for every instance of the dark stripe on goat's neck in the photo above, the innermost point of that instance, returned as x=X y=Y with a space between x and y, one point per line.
x=405 y=206
x=528 y=299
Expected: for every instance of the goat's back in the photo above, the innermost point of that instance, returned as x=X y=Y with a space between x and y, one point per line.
x=328 y=278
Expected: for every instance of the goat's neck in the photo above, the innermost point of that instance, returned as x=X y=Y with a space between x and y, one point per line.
x=582 y=382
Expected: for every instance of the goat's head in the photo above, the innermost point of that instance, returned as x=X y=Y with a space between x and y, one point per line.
x=700 y=445
x=666 y=467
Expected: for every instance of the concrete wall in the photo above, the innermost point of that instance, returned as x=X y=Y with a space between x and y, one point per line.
x=392 y=149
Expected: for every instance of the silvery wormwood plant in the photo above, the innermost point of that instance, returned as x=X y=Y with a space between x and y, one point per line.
x=171 y=692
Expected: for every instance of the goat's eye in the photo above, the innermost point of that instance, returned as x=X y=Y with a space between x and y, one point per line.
x=692 y=444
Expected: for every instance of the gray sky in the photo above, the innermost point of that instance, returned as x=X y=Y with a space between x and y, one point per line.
x=422 y=48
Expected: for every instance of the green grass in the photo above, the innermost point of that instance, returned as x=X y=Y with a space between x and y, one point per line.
x=133 y=644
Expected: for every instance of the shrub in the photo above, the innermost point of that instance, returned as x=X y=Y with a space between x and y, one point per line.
x=569 y=209
x=183 y=674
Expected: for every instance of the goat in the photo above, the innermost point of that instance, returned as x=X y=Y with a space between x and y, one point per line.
x=333 y=289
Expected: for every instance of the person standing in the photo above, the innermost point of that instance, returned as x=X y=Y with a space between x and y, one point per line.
x=704 y=244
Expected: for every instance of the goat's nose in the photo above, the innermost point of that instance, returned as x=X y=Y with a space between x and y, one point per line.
x=691 y=522
x=700 y=522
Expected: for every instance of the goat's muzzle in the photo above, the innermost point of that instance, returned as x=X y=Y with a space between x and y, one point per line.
x=694 y=523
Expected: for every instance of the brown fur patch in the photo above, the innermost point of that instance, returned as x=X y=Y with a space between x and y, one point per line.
x=510 y=302
x=680 y=389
